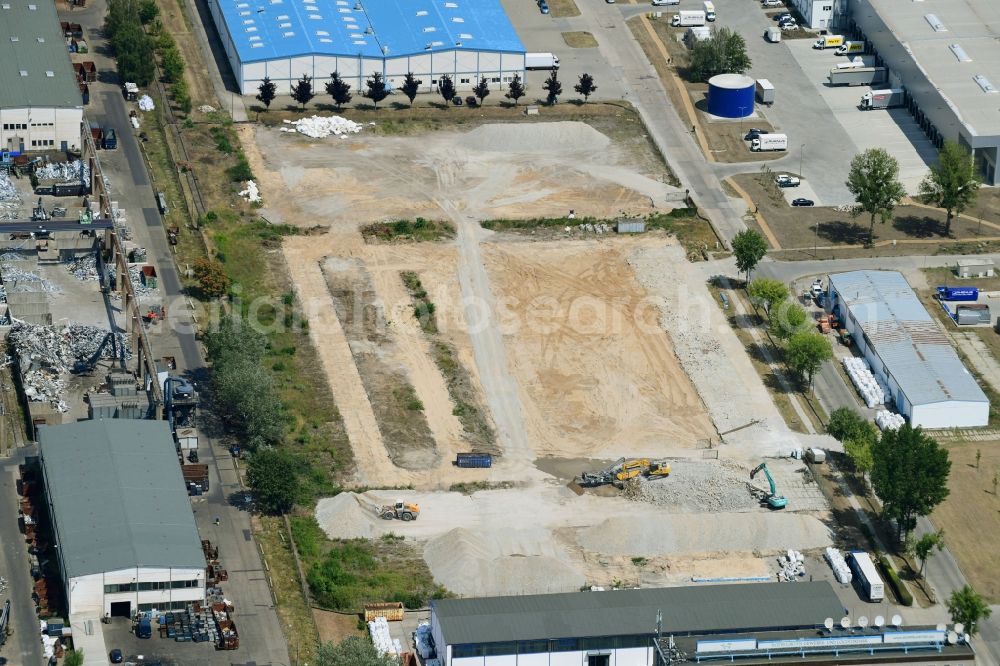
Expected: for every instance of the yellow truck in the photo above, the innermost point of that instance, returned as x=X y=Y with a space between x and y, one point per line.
x=829 y=42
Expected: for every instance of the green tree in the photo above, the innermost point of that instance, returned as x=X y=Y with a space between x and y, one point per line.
x=874 y=182
x=586 y=86
x=302 y=91
x=787 y=318
x=133 y=48
x=724 y=52
x=173 y=65
x=233 y=337
x=923 y=547
x=767 y=292
x=845 y=423
x=553 y=87
x=749 y=247
x=272 y=475
x=211 y=277
x=73 y=658
x=859 y=452
x=339 y=90
x=806 y=352
x=352 y=651
x=446 y=87
x=148 y=11
x=376 y=89
x=967 y=607
x=410 y=87
x=910 y=475
x=515 y=90
x=266 y=92
x=247 y=397
x=952 y=184
x=481 y=90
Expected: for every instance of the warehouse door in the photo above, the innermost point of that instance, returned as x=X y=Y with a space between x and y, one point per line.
x=598 y=660
x=121 y=609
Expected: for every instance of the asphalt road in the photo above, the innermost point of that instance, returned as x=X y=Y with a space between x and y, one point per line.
x=22 y=645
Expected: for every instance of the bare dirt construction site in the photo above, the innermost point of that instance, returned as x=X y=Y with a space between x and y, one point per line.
x=568 y=350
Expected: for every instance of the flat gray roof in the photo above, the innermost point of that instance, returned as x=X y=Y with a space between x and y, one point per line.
x=35 y=69
x=973 y=26
x=118 y=497
x=700 y=608
x=914 y=350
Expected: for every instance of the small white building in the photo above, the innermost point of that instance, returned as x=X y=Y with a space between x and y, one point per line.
x=41 y=107
x=615 y=627
x=907 y=350
x=820 y=14
x=125 y=534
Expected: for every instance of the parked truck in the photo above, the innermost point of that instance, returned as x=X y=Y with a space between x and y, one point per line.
x=867 y=575
x=772 y=34
x=882 y=99
x=765 y=92
x=541 y=61
x=767 y=142
x=857 y=76
x=850 y=48
x=110 y=139
x=829 y=42
x=709 y=10
x=958 y=293
x=688 y=18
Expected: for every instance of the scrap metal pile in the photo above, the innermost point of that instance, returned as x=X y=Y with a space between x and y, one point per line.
x=10 y=198
x=135 y=275
x=47 y=353
x=84 y=268
x=17 y=279
x=77 y=170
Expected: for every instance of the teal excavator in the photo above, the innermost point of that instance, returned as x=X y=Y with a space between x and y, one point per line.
x=774 y=500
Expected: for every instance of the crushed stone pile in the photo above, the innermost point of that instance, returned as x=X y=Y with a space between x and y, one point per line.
x=84 y=268
x=691 y=533
x=77 y=170
x=544 y=138
x=698 y=486
x=501 y=562
x=354 y=519
x=320 y=127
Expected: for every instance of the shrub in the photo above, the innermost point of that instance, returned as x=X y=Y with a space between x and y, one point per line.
x=902 y=593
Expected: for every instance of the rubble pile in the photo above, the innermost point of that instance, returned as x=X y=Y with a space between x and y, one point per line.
x=792 y=565
x=146 y=103
x=84 y=268
x=8 y=191
x=320 y=127
x=251 y=193
x=76 y=170
x=135 y=275
x=17 y=279
x=205 y=108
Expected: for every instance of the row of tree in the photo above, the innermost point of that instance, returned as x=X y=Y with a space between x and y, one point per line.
x=134 y=49
x=952 y=184
x=377 y=89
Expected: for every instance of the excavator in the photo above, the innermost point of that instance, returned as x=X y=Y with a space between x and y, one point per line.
x=774 y=500
x=622 y=470
x=400 y=511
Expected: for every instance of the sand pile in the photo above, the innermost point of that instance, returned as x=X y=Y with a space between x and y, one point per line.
x=347 y=516
x=547 y=138
x=694 y=533
x=698 y=486
x=498 y=562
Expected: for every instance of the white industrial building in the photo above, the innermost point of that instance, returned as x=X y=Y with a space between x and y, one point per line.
x=286 y=39
x=618 y=627
x=41 y=107
x=907 y=351
x=820 y=14
x=122 y=521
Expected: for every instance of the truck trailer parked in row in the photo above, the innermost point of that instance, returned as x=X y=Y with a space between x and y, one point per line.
x=541 y=61
x=857 y=76
x=765 y=142
x=688 y=18
x=866 y=575
x=882 y=99
x=829 y=42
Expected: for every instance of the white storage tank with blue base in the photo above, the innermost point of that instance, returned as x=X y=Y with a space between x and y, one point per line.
x=730 y=95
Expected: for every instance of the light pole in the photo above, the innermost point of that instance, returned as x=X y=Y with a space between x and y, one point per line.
x=816 y=242
x=742 y=115
x=802 y=149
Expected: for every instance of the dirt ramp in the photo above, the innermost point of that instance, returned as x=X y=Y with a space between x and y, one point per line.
x=501 y=562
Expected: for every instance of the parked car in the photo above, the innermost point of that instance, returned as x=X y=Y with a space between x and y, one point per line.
x=788 y=24
x=754 y=133
x=456 y=100
x=784 y=180
x=610 y=2
x=663 y=3
x=803 y=202
x=784 y=16
x=771 y=3
x=115 y=656
x=543 y=7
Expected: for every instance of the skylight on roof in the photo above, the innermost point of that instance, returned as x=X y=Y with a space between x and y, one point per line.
x=41 y=40
x=429 y=28
x=288 y=34
x=935 y=23
x=247 y=21
x=464 y=35
x=322 y=33
x=24 y=72
x=360 y=42
x=256 y=45
x=49 y=73
x=14 y=39
x=282 y=17
x=959 y=53
x=984 y=83
x=284 y=25
x=422 y=12
x=457 y=19
x=252 y=28
x=437 y=43
x=451 y=5
x=326 y=40
x=316 y=17
x=255 y=38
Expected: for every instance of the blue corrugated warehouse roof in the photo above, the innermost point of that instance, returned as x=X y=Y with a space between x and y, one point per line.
x=915 y=351
x=274 y=29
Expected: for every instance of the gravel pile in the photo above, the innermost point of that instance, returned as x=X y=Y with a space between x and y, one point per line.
x=476 y=563
x=547 y=138
x=353 y=520
x=698 y=486
x=666 y=534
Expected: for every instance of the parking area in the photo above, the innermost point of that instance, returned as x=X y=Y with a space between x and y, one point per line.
x=893 y=129
x=167 y=652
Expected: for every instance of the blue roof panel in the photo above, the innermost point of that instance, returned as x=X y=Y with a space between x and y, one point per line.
x=275 y=29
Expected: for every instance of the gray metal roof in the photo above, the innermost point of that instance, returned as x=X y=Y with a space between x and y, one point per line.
x=35 y=69
x=116 y=491
x=915 y=351
x=734 y=607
